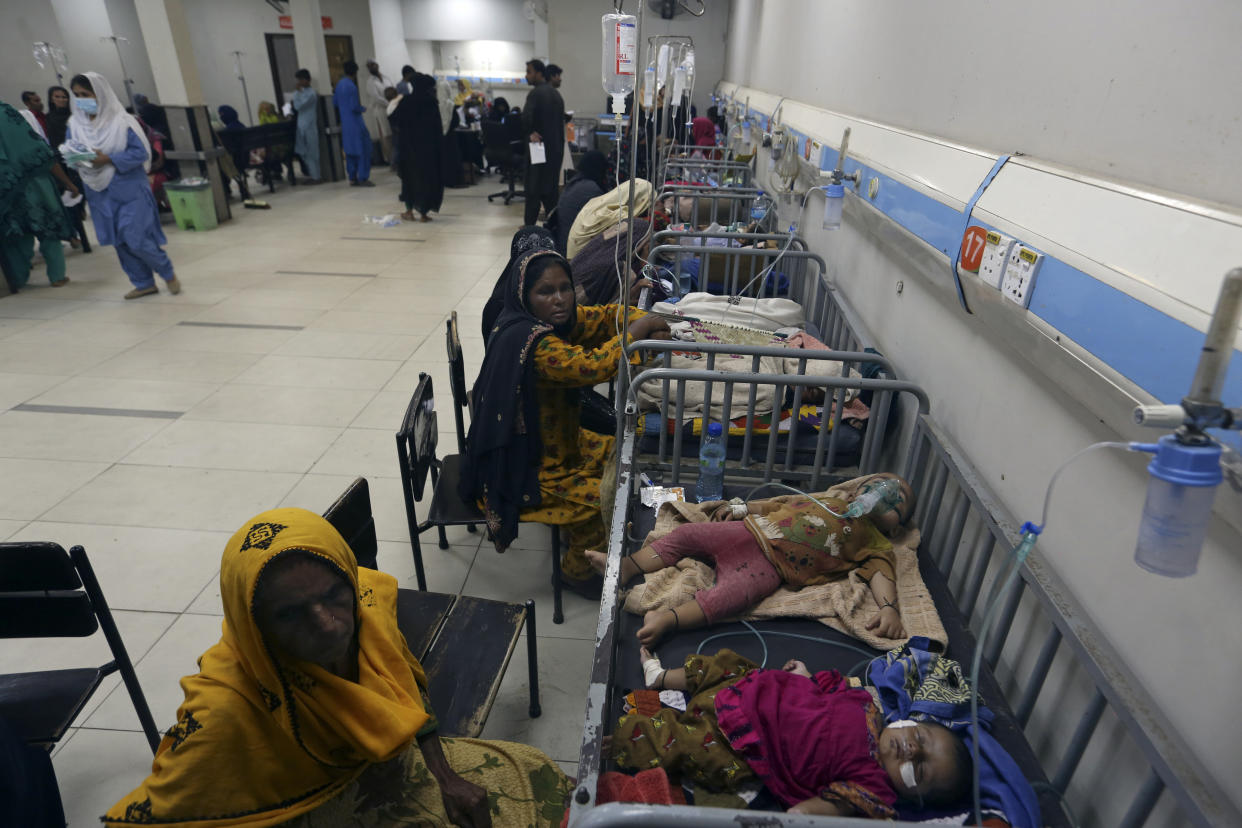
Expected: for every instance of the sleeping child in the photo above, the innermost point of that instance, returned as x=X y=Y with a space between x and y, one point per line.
x=817 y=744
x=758 y=547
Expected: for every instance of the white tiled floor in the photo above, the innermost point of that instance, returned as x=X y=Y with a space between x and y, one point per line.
x=260 y=417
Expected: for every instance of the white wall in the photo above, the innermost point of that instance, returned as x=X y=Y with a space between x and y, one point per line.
x=574 y=43
x=485 y=58
x=422 y=55
x=1145 y=94
x=76 y=26
x=23 y=25
x=124 y=19
x=466 y=20
x=1099 y=100
x=222 y=26
x=388 y=32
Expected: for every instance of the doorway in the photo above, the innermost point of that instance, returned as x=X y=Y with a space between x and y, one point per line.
x=283 y=58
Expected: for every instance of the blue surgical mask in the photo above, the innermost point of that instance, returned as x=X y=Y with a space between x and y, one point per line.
x=89 y=106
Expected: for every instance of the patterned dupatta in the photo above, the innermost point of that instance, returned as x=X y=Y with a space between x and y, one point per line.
x=260 y=739
x=504 y=449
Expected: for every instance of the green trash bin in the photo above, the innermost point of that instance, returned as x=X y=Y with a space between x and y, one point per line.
x=192 y=205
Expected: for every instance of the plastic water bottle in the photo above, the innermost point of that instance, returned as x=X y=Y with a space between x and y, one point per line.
x=758 y=208
x=711 y=465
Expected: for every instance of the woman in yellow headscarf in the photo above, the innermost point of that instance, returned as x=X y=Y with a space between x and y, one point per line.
x=311 y=711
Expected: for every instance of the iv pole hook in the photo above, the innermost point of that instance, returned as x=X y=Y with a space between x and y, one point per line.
x=699 y=13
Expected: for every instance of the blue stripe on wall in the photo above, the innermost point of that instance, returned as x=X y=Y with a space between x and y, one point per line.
x=1155 y=351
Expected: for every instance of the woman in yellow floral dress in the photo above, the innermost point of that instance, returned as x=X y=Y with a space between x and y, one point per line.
x=527 y=457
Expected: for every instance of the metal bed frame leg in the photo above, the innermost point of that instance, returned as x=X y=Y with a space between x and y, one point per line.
x=558 y=617
x=532 y=660
x=1144 y=801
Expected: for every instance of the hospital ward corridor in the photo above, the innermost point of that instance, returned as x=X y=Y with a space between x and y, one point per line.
x=619 y=413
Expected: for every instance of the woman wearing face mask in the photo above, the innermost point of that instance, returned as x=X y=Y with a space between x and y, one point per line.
x=122 y=205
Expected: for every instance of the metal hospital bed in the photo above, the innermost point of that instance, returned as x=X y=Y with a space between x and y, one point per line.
x=711 y=171
x=1057 y=686
x=798 y=443
x=723 y=205
x=967 y=538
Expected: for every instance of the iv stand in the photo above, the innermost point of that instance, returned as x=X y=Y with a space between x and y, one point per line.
x=117 y=40
x=237 y=56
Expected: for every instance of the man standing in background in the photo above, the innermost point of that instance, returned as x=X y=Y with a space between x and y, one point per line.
x=377 y=110
x=543 y=121
x=554 y=76
x=306 y=142
x=34 y=103
x=355 y=140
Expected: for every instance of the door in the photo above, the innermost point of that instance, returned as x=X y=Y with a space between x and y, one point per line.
x=340 y=49
x=283 y=58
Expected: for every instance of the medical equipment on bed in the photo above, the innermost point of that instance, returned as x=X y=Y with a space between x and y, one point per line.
x=1186 y=468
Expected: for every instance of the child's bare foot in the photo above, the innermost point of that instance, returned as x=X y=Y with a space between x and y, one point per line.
x=655 y=624
x=598 y=560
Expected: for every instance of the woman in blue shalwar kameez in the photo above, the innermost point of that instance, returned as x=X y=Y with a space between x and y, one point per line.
x=117 y=190
x=355 y=140
x=306 y=143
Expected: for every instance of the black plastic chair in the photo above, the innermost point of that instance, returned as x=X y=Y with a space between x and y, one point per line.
x=48 y=593
x=457 y=382
x=506 y=154
x=416 y=454
x=352 y=517
x=463 y=643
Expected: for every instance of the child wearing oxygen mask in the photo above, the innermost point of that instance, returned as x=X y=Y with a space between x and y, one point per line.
x=817 y=744
x=798 y=541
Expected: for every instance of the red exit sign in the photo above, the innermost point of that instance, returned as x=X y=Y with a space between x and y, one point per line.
x=286 y=21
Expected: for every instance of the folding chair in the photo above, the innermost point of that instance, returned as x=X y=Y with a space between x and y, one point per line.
x=48 y=593
x=416 y=454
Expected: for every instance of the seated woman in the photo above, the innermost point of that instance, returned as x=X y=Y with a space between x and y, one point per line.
x=817 y=744
x=596 y=265
x=527 y=458
x=605 y=211
x=588 y=184
x=760 y=546
x=311 y=711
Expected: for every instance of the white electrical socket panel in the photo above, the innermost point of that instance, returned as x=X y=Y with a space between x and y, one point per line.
x=1020 y=273
x=996 y=249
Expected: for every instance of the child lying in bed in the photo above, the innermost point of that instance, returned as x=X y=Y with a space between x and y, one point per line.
x=760 y=546
x=817 y=744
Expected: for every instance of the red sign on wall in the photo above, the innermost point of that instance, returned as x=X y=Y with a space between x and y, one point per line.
x=972 y=248
x=286 y=21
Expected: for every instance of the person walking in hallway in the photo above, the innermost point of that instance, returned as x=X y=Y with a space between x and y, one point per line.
x=122 y=205
x=377 y=106
x=306 y=141
x=543 y=121
x=355 y=140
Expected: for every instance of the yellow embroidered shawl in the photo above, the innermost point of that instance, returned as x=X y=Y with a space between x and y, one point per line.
x=258 y=740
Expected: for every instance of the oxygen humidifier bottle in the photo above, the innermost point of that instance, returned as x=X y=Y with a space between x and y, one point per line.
x=758 y=208
x=620 y=56
x=884 y=495
x=711 y=465
x=1178 y=507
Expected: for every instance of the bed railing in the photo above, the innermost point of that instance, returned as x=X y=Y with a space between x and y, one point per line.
x=702 y=205
x=709 y=171
x=968 y=536
x=777 y=454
